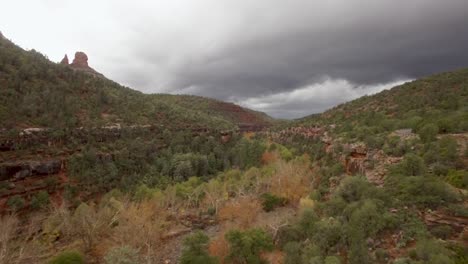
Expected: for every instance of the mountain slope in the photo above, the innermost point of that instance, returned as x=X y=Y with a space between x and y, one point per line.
x=38 y=93
x=229 y=111
x=441 y=99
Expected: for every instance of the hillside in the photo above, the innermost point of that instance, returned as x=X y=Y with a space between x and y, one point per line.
x=38 y=93
x=390 y=176
x=243 y=117
x=441 y=99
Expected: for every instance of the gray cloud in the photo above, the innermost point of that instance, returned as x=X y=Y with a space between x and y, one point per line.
x=258 y=52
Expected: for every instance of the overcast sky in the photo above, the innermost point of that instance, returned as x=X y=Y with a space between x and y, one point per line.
x=287 y=58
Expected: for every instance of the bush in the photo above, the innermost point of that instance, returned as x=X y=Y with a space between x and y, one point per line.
x=411 y=226
x=40 y=200
x=196 y=250
x=293 y=253
x=458 y=178
x=271 y=201
x=381 y=255
x=332 y=260
x=246 y=246
x=428 y=132
x=328 y=234
x=16 y=203
x=443 y=231
x=426 y=191
x=412 y=165
x=353 y=189
x=430 y=251
x=122 y=255
x=68 y=257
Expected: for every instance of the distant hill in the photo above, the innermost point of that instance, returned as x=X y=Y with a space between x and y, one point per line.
x=224 y=110
x=39 y=93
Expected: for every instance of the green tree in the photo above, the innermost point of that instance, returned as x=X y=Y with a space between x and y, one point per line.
x=16 y=203
x=196 y=250
x=412 y=165
x=246 y=246
x=428 y=132
x=40 y=200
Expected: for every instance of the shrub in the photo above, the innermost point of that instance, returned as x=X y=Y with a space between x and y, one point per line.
x=246 y=246
x=442 y=231
x=329 y=233
x=196 y=250
x=293 y=253
x=411 y=226
x=122 y=255
x=16 y=203
x=366 y=218
x=142 y=193
x=426 y=191
x=428 y=132
x=448 y=149
x=353 y=189
x=458 y=210
x=458 y=178
x=332 y=260
x=381 y=255
x=40 y=200
x=271 y=201
x=412 y=165
x=68 y=257
x=431 y=250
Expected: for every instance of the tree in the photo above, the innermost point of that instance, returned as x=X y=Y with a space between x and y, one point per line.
x=246 y=246
x=40 y=200
x=428 y=132
x=271 y=201
x=68 y=257
x=196 y=250
x=90 y=223
x=412 y=165
x=16 y=203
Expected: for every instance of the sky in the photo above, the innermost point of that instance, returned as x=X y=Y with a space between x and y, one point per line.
x=286 y=58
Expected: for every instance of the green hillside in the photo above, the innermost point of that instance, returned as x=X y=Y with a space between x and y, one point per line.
x=38 y=93
x=440 y=99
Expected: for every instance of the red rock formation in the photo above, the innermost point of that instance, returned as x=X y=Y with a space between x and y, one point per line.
x=80 y=60
x=65 y=60
x=355 y=162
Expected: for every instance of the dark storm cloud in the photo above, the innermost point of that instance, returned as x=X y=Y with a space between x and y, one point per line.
x=288 y=58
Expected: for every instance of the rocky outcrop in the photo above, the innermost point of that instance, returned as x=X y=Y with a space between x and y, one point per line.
x=80 y=60
x=20 y=170
x=65 y=61
x=355 y=161
x=438 y=218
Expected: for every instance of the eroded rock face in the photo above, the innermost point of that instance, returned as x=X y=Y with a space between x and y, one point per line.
x=80 y=60
x=23 y=169
x=65 y=60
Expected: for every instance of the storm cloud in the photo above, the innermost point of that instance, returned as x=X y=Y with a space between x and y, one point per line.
x=287 y=58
